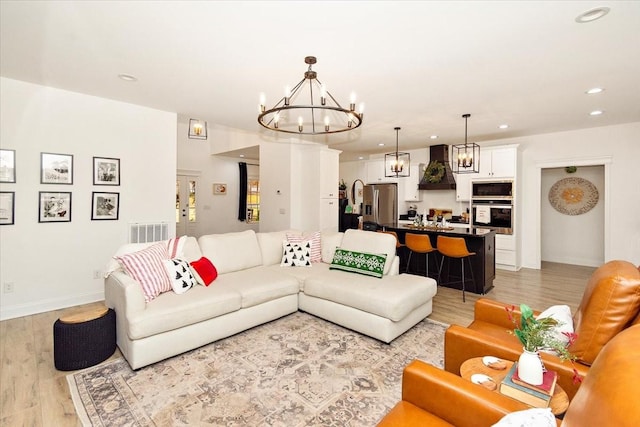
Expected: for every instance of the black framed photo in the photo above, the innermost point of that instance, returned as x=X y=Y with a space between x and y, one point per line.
x=7 y=165
x=56 y=168
x=54 y=206
x=106 y=171
x=105 y=206
x=7 y=207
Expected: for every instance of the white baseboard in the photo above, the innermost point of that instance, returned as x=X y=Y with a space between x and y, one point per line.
x=19 y=310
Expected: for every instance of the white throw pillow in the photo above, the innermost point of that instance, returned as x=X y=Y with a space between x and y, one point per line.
x=534 y=417
x=562 y=315
x=182 y=279
x=316 y=243
x=147 y=268
x=294 y=255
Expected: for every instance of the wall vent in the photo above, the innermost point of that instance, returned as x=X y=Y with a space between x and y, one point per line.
x=148 y=232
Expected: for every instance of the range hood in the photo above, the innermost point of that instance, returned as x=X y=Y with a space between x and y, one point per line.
x=438 y=176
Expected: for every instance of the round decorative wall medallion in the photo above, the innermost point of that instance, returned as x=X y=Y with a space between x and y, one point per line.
x=573 y=196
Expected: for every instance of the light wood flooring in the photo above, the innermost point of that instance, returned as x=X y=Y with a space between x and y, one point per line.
x=34 y=393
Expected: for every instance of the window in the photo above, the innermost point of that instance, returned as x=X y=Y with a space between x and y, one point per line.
x=253 y=200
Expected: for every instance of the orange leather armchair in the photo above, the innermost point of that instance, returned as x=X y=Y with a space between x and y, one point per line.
x=607 y=397
x=610 y=304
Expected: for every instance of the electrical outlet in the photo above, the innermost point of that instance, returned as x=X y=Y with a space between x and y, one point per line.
x=7 y=287
x=97 y=274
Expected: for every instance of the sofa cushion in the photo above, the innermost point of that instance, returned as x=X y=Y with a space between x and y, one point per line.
x=296 y=255
x=358 y=262
x=271 y=245
x=611 y=300
x=258 y=285
x=147 y=268
x=330 y=241
x=371 y=242
x=392 y=297
x=180 y=275
x=231 y=252
x=170 y=311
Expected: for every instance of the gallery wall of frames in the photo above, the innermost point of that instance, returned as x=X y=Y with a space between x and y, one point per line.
x=57 y=171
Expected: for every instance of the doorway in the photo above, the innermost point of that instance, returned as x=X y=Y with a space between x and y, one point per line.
x=605 y=163
x=572 y=215
x=186 y=205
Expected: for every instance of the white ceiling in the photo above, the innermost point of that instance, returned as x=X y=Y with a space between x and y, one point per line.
x=419 y=65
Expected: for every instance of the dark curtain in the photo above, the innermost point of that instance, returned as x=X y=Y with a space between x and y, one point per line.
x=242 y=194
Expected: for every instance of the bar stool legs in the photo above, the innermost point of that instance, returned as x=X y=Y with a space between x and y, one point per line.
x=420 y=244
x=455 y=247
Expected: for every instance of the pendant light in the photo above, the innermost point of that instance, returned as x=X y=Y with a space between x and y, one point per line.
x=466 y=157
x=397 y=165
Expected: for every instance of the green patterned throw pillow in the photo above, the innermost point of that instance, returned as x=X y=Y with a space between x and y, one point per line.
x=358 y=262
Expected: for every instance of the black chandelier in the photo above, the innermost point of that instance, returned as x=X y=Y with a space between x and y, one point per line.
x=397 y=164
x=321 y=114
x=466 y=157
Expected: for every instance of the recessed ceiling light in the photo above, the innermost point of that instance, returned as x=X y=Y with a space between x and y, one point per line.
x=128 y=77
x=434 y=137
x=596 y=112
x=241 y=155
x=592 y=15
x=594 y=90
x=504 y=126
x=360 y=158
x=381 y=144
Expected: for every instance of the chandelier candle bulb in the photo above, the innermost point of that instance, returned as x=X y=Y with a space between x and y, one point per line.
x=197 y=129
x=323 y=95
x=300 y=124
x=326 y=123
x=352 y=105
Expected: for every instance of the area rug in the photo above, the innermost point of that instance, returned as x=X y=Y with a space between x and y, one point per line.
x=296 y=371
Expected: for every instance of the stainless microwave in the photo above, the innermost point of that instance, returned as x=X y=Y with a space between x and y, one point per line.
x=492 y=190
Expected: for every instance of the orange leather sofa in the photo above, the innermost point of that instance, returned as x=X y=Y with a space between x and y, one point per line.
x=610 y=304
x=607 y=397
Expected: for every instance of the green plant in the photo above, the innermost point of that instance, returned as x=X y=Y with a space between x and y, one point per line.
x=538 y=334
x=342 y=185
x=434 y=172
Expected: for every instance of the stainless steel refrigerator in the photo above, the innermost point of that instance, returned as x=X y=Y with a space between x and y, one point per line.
x=380 y=206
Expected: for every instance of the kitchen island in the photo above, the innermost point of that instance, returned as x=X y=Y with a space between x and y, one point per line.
x=479 y=240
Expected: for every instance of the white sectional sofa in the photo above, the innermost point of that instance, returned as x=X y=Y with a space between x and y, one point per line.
x=252 y=288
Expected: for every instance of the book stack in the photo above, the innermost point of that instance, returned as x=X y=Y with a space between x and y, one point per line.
x=537 y=396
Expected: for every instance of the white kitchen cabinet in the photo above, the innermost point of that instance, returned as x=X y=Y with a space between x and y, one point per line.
x=498 y=162
x=329 y=173
x=411 y=192
x=320 y=180
x=463 y=186
x=506 y=254
x=375 y=172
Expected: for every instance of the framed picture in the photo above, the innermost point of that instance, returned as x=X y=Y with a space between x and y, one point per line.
x=54 y=207
x=105 y=206
x=7 y=207
x=7 y=165
x=219 y=189
x=56 y=168
x=106 y=171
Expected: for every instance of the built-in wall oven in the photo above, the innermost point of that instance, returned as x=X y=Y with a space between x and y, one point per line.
x=492 y=205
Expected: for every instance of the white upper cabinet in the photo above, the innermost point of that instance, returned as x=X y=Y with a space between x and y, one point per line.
x=411 y=192
x=375 y=172
x=498 y=162
x=463 y=186
x=329 y=173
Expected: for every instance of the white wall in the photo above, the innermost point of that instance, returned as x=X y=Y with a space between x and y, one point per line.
x=572 y=239
x=52 y=265
x=214 y=213
x=618 y=143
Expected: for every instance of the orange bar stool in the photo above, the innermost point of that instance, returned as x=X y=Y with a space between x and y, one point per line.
x=420 y=244
x=455 y=247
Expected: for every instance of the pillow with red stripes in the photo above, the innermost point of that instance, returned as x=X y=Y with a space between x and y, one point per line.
x=316 y=243
x=147 y=268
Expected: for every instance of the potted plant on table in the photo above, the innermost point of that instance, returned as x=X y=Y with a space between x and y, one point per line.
x=342 y=189
x=535 y=335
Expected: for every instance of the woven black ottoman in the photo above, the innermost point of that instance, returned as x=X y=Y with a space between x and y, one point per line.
x=84 y=339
